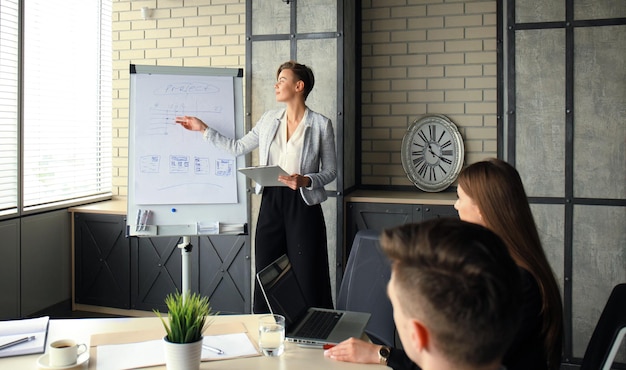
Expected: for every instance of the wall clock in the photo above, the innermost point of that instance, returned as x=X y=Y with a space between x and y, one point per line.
x=432 y=152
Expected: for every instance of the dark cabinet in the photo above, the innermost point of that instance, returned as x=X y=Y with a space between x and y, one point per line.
x=157 y=271
x=438 y=211
x=224 y=272
x=220 y=270
x=378 y=216
x=102 y=260
x=113 y=270
x=10 y=269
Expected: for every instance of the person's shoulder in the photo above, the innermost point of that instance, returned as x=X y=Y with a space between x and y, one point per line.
x=317 y=115
x=317 y=118
x=274 y=113
x=271 y=115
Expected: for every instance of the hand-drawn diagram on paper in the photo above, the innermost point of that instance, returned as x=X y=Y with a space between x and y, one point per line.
x=173 y=165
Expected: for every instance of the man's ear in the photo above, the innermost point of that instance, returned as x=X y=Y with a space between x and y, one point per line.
x=419 y=335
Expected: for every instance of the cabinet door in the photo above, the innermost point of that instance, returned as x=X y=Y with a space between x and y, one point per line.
x=224 y=273
x=102 y=260
x=438 y=211
x=157 y=270
x=378 y=216
x=219 y=268
x=10 y=269
x=375 y=216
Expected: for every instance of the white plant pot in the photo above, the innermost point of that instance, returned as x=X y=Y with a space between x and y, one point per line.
x=179 y=356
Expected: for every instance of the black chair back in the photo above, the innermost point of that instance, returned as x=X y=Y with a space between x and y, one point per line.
x=364 y=287
x=609 y=332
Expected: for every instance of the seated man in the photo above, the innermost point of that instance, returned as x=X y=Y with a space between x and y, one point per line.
x=455 y=293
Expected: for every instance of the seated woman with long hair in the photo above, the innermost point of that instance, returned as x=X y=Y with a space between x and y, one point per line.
x=491 y=193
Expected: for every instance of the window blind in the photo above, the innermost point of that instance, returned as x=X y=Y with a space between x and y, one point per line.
x=66 y=101
x=9 y=51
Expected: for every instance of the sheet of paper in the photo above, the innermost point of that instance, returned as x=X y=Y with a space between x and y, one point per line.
x=131 y=355
x=152 y=353
x=233 y=345
x=12 y=330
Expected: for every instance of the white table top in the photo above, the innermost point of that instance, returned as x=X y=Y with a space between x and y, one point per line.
x=294 y=357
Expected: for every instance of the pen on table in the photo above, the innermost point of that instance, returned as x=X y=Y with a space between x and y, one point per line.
x=213 y=349
x=16 y=342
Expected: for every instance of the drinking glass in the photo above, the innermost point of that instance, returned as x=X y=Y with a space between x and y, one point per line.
x=272 y=335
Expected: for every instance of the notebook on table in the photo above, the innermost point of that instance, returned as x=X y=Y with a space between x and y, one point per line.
x=23 y=336
x=304 y=324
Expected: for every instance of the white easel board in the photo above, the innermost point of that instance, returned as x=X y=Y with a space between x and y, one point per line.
x=179 y=184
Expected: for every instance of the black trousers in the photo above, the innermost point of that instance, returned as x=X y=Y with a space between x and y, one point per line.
x=288 y=225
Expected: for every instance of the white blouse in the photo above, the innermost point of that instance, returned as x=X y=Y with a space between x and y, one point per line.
x=286 y=153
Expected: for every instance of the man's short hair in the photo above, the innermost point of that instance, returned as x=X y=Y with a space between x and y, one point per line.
x=459 y=280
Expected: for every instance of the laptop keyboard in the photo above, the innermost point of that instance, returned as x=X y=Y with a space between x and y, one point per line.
x=319 y=324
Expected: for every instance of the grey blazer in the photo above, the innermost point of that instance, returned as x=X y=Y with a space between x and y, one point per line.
x=318 y=160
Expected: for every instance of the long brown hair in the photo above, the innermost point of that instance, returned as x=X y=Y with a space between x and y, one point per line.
x=496 y=188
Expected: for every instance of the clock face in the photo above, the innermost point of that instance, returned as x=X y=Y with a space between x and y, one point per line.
x=432 y=153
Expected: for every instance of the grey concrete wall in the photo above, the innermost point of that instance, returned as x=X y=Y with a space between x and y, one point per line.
x=581 y=220
x=321 y=53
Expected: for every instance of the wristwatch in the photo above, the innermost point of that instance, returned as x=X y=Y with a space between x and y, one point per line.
x=383 y=355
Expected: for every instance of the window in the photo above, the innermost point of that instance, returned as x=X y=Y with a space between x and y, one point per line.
x=65 y=121
x=8 y=106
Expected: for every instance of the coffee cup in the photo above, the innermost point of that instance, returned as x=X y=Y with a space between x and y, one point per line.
x=65 y=352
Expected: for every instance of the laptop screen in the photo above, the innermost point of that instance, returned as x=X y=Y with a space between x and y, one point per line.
x=282 y=291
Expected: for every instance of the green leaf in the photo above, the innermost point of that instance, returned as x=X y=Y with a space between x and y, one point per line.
x=187 y=317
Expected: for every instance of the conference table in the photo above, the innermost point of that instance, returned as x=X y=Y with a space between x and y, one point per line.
x=93 y=331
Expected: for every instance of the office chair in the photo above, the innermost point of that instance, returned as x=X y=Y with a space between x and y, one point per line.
x=609 y=332
x=364 y=287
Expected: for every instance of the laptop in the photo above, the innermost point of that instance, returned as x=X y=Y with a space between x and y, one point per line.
x=305 y=325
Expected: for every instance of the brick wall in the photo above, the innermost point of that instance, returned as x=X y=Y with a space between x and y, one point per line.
x=419 y=57
x=425 y=57
x=197 y=33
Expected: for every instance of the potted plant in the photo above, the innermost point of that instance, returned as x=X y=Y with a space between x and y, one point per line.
x=188 y=317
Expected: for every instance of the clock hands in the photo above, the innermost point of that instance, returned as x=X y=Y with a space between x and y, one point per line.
x=446 y=160
x=433 y=153
x=430 y=150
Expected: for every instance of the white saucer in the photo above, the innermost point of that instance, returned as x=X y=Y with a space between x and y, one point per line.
x=43 y=362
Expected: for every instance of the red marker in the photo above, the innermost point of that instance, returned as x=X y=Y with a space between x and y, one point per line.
x=328 y=346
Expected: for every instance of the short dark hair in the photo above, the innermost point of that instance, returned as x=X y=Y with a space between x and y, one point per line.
x=459 y=279
x=302 y=73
